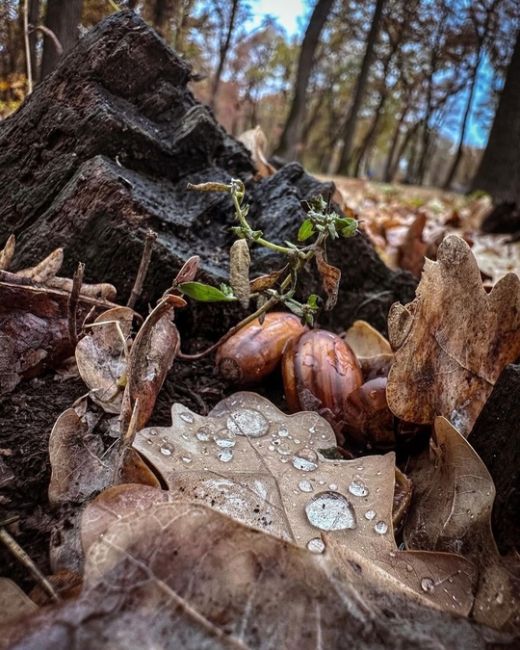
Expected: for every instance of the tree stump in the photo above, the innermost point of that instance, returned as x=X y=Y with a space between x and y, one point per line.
x=104 y=149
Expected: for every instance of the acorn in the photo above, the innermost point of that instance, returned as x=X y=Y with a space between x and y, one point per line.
x=319 y=372
x=256 y=349
x=369 y=423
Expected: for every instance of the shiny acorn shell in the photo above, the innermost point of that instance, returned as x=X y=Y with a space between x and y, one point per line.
x=319 y=372
x=255 y=350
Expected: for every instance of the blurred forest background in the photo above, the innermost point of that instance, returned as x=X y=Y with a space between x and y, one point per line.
x=391 y=90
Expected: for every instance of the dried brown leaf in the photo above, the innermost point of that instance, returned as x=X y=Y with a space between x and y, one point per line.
x=252 y=462
x=256 y=141
x=267 y=281
x=180 y=575
x=454 y=496
x=239 y=262
x=366 y=341
x=188 y=271
x=330 y=279
x=102 y=357
x=412 y=252
x=7 y=253
x=44 y=270
x=151 y=357
x=452 y=341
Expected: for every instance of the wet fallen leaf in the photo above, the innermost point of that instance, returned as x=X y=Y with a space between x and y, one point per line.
x=256 y=141
x=102 y=355
x=452 y=341
x=263 y=468
x=7 y=253
x=330 y=278
x=180 y=575
x=452 y=512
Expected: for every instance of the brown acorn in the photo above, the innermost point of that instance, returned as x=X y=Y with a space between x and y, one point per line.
x=319 y=372
x=368 y=420
x=256 y=349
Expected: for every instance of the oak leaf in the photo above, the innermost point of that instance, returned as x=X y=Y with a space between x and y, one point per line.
x=452 y=342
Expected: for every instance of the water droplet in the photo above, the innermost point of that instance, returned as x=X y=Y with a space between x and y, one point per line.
x=370 y=514
x=166 y=450
x=409 y=568
x=187 y=417
x=316 y=545
x=284 y=448
x=271 y=447
x=203 y=434
x=150 y=442
x=225 y=455
x=283 y=432
x=330 y=511
x=305 y=460
x=358 y=488
x=499 y=598
x=381 y=528
x=297 y=441
x=248 y=422
x=360 y=468
x=305 y=486
x=428 y=585
x=226 y=441
x=333 y=486
x=392 y=554
x=153 y=432
x=186 y=459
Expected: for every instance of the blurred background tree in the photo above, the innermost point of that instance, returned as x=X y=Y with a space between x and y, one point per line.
x=394 y=90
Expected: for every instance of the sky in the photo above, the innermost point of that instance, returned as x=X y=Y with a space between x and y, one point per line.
x=291 y=15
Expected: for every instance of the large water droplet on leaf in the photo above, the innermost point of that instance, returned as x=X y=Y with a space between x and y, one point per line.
x=428 y=585
x=248 y=422
x=358 y=488
x=330 y=511
x=316 y=545
x=305 y=486
x=305 y=460
x=381 y=528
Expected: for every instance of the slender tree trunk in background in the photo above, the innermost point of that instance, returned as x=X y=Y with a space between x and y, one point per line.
x=458 y=154
x=62 y=18
x=224 y=52
x=289 y=146
x=393 y=147
x=132 y=4
x=370 y=136
x=349 y=128
x=499 y=170
x=34 y=21
x=405 y=143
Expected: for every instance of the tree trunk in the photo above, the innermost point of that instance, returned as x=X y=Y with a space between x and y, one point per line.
x=34 y=20
x=499 y=170
x=458 y=154
x=349 y=127
x=62 y=18
x=289 y=146
x=389 y=164
x=224 y=52
x=370 y=136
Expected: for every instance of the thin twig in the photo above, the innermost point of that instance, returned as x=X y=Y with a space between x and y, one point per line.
x=24 y=559
x=55 y=40
x=150 y=238
x=27 y=47
x=72 y=307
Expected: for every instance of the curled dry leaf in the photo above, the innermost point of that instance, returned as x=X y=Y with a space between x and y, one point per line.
x=102 y=357
x=256 y=142
x=103 y=291
x=452 y=511
x=239 y=262
x=180 y=575
x=263 y=468
x=452 y=342
x=371 y=348
x=267 y=281
x=330 y=279
x=7 y=253
x=44 y=270
x=153 y=352
x=188 y=271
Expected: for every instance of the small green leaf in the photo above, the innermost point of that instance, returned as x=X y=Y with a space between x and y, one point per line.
x=312 y=301
x=306 y=230
x=206 y=293
x=348 y=227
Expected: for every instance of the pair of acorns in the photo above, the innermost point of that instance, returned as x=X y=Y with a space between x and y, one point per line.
x=320 y=373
